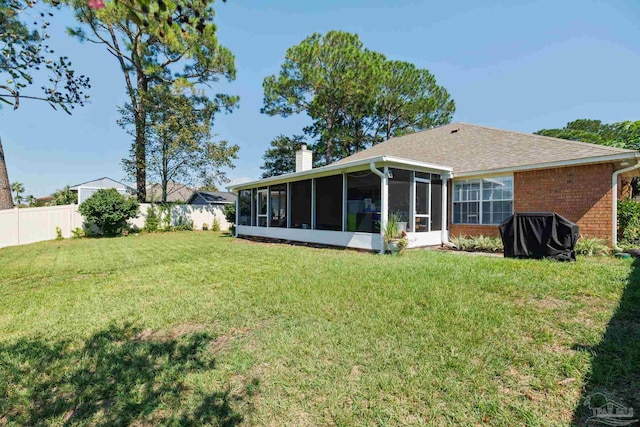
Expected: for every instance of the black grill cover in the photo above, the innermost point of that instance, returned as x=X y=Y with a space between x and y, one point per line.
x=539 y=235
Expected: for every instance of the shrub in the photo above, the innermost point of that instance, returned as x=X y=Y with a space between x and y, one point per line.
x=629 y=220
x=591 y=246
x=77 y=233
x=478 y=243
x=229 y=211
x=165 y=217
x=109 y=211
x=59 y=233
x=152 y=221
x=216 y=225
x=232 y=230
x=205 y=226
x=392 y=232
x=183 y=224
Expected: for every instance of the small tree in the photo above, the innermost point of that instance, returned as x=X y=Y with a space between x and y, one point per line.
x=152 y=222
x=109 y=211
x=18 y=188
x=230 y=213
x=64 y=197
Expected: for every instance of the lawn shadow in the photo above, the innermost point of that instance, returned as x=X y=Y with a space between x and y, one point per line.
x=118 y=376
x=615 y=363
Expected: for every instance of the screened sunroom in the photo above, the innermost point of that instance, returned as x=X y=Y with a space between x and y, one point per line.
x=347 y=204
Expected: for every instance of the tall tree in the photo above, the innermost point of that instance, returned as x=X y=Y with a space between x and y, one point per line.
x=409 y=100
x=180 y=146
x=18 y=188
x=624 y=134
x=25 y=57
x=280 y=157
x=318 y=77
x=355 y=97
x=157 y=51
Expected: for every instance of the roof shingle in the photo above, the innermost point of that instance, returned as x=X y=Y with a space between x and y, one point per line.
x=471 y=148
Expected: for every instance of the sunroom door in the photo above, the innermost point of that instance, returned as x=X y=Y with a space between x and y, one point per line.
x=422 y=205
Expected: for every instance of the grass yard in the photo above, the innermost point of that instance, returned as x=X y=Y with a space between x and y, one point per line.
x=196 y=328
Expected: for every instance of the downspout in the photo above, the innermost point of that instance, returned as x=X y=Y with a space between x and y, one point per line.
x=614 y=198
x=445 y=210
x=237 y=213
x=385 y=198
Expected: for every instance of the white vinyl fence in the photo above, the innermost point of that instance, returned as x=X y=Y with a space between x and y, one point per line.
x=29 y=225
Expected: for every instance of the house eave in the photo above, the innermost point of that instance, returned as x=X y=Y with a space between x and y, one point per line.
x=345 y=167
x=548 y=165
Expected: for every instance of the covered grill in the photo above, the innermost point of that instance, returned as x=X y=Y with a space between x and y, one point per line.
x=539 y=235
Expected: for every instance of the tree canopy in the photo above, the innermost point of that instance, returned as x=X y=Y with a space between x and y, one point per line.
x=27 y=58
x=280 y=157
x=180 y=145
x=158 y=52
x=354 y=97
x=624 y=134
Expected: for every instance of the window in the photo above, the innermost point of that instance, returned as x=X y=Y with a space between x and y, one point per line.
x=300 y=204
x=329 y=203
x=363 y=202
x=400 y=195
x=486 y=201
x=436 y=204
x=244 y=216
x=262 y=207
x=278 y=205
x=497 y=199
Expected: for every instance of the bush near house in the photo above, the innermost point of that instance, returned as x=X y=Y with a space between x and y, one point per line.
x=109 y=211
x=592 y=246
x=629 y=221
x=229 y=211
x=478 y=243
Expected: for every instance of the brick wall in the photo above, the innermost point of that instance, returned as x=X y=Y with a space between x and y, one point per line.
x=581 y=194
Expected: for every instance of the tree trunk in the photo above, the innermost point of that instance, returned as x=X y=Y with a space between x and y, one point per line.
x=6 y=202
x=141 y=139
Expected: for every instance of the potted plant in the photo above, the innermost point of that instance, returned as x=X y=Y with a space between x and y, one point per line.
x=395 y=239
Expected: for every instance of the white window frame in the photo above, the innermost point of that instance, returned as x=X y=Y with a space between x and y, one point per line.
x=416 y=215
x=262 y=215
x=480 y=201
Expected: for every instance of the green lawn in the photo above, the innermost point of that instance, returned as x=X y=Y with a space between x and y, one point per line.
x=198 y=328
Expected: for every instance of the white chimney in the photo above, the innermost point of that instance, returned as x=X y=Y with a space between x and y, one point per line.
x=304 y=159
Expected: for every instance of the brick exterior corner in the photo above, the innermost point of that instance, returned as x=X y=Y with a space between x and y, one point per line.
x=581 y=194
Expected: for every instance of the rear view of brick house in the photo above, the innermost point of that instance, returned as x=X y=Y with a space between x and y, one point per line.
x=482 y=175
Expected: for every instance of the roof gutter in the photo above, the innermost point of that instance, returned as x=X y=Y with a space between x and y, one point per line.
x=614 y=198
x=336 y=167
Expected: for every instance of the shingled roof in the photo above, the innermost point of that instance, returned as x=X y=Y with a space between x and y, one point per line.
x=471 y=148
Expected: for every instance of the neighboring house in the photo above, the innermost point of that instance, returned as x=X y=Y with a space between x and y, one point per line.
x=86 y=189
x=212 y=198
x=451 y=180
x=175 y=192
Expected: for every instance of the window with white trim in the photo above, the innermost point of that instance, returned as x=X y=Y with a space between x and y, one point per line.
x=483 y=201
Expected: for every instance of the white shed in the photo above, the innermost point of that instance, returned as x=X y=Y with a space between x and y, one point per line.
x=86 y=189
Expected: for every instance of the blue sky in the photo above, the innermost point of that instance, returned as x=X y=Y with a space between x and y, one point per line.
x=517 y=65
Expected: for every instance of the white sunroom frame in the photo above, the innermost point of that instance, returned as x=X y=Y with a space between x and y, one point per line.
x=352 y=239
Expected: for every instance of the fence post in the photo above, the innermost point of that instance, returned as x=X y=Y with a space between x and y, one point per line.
x=18 y=220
